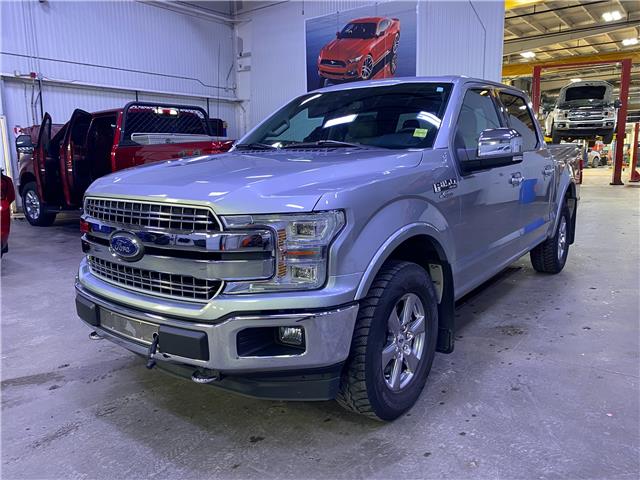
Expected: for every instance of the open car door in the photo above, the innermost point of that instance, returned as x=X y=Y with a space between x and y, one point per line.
x=41 y=153
x=74 y=165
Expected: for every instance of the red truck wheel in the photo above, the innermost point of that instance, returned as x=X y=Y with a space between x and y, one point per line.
x=34 y=209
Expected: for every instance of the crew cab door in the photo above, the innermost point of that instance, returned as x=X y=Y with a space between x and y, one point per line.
x=74 y=168
x=487 y=234
x=40 y=154
x=538 y=170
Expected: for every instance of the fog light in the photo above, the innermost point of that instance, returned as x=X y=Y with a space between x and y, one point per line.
x=304 y=274
x=291 y=336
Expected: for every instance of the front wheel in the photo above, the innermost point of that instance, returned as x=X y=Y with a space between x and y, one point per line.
x=551 y=255
x=367 y=68
x=608 y=138
x=555 y=136
x=393 y=343
x=34 y=208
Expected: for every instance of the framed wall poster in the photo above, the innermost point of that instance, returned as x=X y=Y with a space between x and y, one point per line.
x=365 y=43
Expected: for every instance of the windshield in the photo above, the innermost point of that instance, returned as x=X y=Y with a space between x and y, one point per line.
x=396 y=116
x=585 y=93
x=358 y=30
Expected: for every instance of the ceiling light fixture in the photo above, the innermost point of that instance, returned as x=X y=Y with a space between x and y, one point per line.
x=574 y=80
x=528 y=54
x=611 y=16
x=629 y=41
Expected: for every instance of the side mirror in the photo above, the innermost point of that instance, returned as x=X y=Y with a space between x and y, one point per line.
x=337 y=34
x=617 y=103
x=495 y=143
x=24 y=144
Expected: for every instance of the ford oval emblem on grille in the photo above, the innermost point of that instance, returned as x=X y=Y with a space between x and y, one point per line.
x=126 y=245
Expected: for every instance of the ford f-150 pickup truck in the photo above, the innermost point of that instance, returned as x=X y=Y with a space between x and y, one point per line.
x=584 y=110
x=322 y=257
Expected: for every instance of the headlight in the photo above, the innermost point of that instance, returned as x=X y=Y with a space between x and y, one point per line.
x=608 y=113
x=302 y=248
x=354 y=60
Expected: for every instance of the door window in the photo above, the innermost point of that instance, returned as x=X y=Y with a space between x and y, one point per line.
x=384 y=24
x=478 y=113
x=520 y=119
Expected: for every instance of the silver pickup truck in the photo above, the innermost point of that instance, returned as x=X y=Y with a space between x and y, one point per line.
x=322 y=257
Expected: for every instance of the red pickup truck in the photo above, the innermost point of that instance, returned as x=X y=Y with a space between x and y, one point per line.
x=55 y=173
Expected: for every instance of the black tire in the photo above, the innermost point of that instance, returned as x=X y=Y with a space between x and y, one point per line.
x=608 y=138
x=363 y=387
x=555 y=136
x=546 y=257
x=393 y=64
x=596 y=162
x=34 y=209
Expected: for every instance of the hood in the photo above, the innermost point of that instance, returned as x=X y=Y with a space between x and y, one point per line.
x=264 y=182
x=345 y=48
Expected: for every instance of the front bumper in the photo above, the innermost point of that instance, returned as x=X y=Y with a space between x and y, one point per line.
x=582 y=125
x=327 y=343
x=340 y=73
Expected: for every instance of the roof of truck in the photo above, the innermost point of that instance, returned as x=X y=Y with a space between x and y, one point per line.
x=455 y=79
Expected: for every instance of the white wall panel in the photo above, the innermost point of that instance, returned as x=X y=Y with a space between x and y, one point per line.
x=461 y=38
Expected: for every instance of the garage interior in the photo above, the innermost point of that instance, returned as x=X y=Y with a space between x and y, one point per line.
x=544 y=380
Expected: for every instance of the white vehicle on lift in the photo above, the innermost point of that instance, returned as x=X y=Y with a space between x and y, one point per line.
x=583 y=110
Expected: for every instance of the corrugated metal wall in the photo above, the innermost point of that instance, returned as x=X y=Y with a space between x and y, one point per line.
x=124 y=45
x=455 y=37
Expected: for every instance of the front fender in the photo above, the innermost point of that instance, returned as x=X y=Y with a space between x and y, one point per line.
x=390 y=244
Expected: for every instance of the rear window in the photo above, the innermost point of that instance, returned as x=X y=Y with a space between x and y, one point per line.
x=148 y=119
x=585 y=93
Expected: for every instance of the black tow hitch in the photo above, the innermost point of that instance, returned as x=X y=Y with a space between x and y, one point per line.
x=151 y=362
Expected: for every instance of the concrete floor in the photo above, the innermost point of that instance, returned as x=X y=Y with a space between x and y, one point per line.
x=543 y=382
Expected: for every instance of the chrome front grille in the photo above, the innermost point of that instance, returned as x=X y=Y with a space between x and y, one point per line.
x=181 y=287
x=135 y=213
x=586 y=115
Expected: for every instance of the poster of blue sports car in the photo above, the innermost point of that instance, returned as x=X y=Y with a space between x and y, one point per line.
x=361 y=44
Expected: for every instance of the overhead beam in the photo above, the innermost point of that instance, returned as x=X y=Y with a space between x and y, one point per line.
x=526 y=68
x=537 y=41
x=511 y=4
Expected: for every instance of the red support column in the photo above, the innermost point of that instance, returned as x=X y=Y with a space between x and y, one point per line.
x=635 y=176
x=535 y=89
x=621 y=121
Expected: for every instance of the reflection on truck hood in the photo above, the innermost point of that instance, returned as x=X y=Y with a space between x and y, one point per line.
x=257 y=182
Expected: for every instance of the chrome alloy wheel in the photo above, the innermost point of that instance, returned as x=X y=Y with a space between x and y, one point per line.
x=367 y=67
x=32 y=204
x=396 y=42
x=403 y=351
x=562 y=237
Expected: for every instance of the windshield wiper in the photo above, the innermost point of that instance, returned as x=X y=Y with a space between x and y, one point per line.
x=325 y=143
x=255 y=146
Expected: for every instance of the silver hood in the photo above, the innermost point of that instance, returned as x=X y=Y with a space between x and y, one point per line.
x=263 y=182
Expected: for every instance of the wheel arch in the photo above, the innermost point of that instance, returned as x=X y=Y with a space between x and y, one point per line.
x=415 y=243
x=25 y=178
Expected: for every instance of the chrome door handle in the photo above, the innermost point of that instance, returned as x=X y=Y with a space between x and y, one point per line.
x=516 y=179
x=548 y=170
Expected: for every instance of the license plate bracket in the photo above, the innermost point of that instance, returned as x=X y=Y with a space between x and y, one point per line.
x=132 y=328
